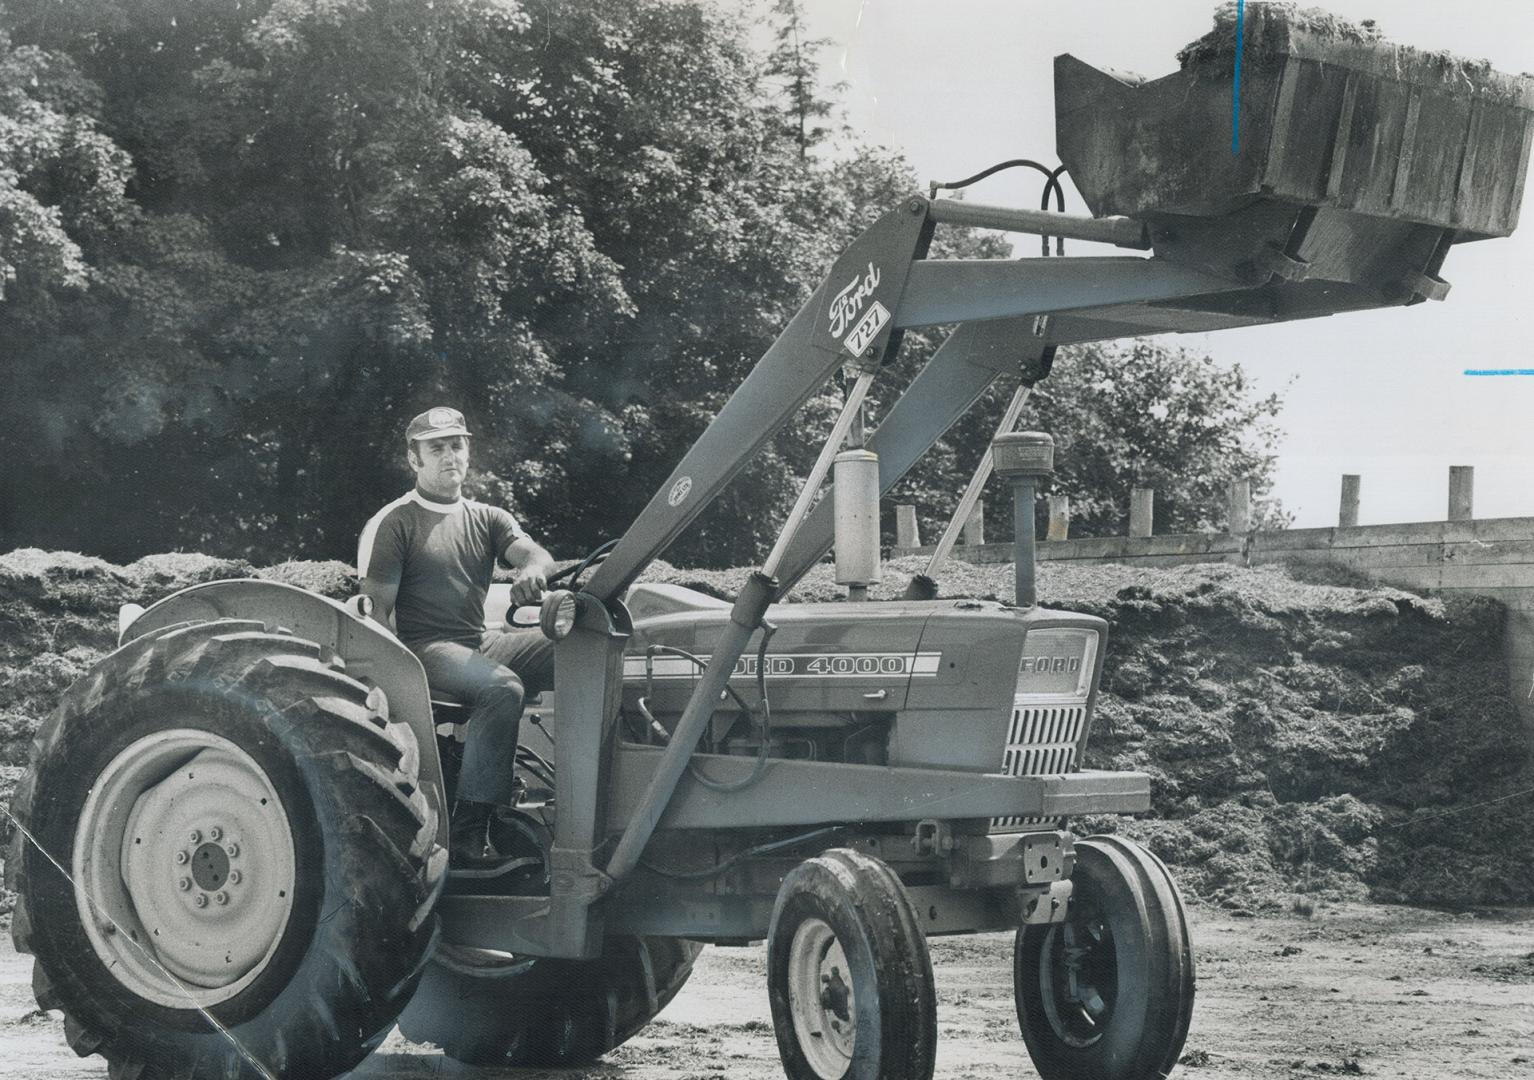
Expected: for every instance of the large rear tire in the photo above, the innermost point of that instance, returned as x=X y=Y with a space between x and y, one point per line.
x=486 y=1008
x=1108 y=993
x=849 y=977
x=483 y=1007
x=234 y=870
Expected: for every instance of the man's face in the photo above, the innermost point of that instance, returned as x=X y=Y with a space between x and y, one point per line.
x=440 y=465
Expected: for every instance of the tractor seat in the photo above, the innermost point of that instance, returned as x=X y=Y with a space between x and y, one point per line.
x=448 y=713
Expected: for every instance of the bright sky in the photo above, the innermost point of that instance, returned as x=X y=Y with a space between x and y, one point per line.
x=961 y=84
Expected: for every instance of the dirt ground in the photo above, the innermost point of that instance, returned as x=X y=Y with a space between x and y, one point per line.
x=1354 y=990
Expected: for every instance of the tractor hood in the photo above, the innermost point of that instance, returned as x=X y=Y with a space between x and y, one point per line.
x=950 y=676
x=839 y=657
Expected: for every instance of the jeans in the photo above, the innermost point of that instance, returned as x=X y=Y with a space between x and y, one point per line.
x=493 y=681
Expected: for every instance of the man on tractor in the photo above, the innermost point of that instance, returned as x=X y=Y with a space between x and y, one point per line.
x=426 y=561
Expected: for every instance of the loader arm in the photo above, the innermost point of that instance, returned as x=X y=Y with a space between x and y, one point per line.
x=1250 y=249
x=1008 y=312
x=882 y=285
x=884 y=271
x=847 y=318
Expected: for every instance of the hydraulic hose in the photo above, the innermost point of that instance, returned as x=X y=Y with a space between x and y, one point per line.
x=765 y=707
x=1051 y=183
x=745 y=617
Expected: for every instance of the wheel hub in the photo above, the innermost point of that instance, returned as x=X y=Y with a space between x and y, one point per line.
x=1079 y=977
x=820 y=998
x=836 y=998
x=210 y=867
x=184 y=867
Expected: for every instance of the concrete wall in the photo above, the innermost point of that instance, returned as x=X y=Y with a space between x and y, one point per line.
x=1491 y=557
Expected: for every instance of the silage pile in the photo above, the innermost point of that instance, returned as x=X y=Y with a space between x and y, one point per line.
x=1266 y=27
x=1304 y=739
x=1269 y=27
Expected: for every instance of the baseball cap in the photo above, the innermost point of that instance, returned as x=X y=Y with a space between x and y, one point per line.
x=435 y=424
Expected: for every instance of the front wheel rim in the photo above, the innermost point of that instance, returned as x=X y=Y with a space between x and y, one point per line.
x=1078 y=977
x=820 y=999
x=185 y=868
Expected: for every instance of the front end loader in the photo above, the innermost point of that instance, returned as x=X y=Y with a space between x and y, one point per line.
x=232 y=861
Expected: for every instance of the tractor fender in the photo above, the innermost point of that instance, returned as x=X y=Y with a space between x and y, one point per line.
x=371 y=654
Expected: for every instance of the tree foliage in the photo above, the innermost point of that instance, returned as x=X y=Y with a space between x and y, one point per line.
x=249 y=238
x=1123 y=415
x=242 y=241
x=1147 y=414
x=792 y=66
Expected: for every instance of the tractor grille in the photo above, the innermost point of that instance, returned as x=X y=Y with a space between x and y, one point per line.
x=1041 y=741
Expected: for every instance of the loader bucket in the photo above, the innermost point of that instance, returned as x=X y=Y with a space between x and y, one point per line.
x=1355 y=161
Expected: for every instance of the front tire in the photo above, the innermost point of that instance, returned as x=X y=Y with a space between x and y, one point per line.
x=1108 y=993
x=849 y=977
x=252 y=869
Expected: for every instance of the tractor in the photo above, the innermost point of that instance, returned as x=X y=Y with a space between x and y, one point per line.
x=232 y=860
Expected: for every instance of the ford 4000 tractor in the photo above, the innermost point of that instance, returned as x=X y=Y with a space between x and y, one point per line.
x=233 y=855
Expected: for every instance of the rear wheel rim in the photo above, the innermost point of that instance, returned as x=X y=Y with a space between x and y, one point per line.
x=1078 y=976
x=820 y=999
x=184 y=868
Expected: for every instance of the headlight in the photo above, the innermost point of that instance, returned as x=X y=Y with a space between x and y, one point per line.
x=557 y=616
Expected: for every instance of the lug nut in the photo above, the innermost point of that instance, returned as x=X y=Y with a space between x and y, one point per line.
x=194 y=836
x=234 y=877
x=221 y=896
x=233 y=851
x=201 y=899
x=184 y=884
x=181 y=858
x=215 y=834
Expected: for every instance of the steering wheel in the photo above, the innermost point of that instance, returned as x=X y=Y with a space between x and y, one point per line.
x=572 y=572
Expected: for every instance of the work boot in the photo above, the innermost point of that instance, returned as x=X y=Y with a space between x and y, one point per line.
x=469 y=843
x=495 y=852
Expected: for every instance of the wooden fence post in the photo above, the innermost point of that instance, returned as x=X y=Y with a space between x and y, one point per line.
x=1240 y=507
x=1142 y=511
x=974 y=528
x=906 y=534
x=1059 y=517
x=1461 y=492
x=1347 y=513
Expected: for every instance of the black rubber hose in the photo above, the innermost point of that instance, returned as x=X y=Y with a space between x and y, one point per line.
x=1051 y=183
x=766 y=709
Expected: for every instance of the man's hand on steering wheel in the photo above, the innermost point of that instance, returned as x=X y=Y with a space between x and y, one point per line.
x=529 y=587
